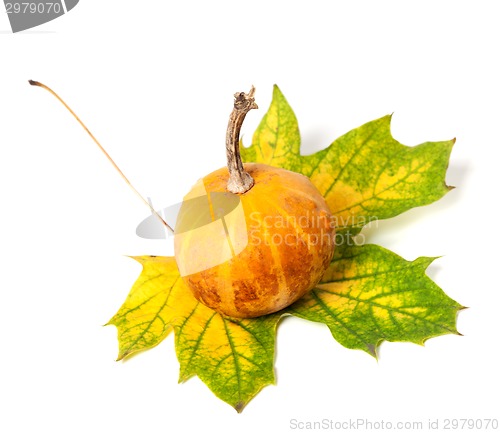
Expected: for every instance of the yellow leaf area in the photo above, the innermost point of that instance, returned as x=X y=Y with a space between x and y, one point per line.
x=233 y=357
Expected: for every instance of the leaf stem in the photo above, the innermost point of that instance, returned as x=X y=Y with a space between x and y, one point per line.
x=239 y=181
x=43 y=86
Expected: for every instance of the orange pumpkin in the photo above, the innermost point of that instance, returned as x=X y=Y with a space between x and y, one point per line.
x=271 y=244
x=266 y=253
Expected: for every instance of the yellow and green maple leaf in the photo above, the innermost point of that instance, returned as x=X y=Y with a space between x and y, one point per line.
x=233 y=357
x=367 y=295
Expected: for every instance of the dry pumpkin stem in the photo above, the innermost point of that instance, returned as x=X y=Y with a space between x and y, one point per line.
x=239 y=180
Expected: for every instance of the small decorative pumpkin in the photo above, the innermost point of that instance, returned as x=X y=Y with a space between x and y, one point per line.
x=270 y=245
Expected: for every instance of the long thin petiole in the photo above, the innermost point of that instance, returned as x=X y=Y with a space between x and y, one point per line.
x=36 y=83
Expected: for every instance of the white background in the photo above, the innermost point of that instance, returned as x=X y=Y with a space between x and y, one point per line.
x=154 y=81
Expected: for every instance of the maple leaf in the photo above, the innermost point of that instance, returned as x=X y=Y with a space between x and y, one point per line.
x=367 y=295
x=233 y=357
